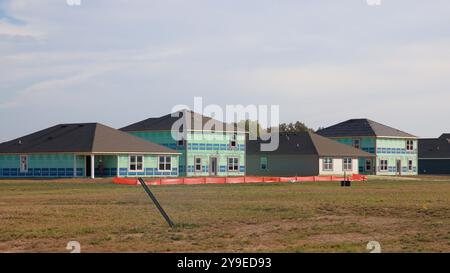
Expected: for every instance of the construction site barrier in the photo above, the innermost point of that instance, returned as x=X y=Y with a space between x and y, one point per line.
x=236 y=180
x=253 y=179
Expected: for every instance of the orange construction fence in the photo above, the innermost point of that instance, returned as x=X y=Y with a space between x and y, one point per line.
x=236 y=180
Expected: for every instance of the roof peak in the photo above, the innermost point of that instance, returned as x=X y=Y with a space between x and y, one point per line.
x=363 y=127
x=194 y=121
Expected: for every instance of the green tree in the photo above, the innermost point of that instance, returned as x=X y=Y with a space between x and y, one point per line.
x=294 y=127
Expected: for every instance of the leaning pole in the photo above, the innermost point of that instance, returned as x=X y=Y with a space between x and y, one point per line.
x=155 y=201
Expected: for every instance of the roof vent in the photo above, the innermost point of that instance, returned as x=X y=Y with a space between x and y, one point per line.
x=20 y=142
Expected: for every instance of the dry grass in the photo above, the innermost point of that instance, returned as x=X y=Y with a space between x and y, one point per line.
x=410 y=215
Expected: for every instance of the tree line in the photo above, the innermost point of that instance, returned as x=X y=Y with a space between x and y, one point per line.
x=291 y=127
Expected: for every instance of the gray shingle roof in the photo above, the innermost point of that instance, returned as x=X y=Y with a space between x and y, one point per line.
x=435 y=147
x=164 y=123
x=362 y=127
x=308 y=143
x=81 y=138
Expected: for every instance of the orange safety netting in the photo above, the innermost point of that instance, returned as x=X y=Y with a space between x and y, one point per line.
x=236 y=180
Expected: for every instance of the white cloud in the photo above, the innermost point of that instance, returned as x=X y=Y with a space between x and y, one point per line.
x=322 y=61
x=15 y=31
x=46 y=90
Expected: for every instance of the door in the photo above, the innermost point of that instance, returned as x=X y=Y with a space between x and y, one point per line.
x=88 y=166
x=368 y=166
x=399 y=167
x=213 y=166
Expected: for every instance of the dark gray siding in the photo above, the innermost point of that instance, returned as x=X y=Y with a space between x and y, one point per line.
x=434 y=166
x=284 y=165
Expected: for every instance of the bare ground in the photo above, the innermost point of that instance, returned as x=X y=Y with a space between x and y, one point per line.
x=404 y=215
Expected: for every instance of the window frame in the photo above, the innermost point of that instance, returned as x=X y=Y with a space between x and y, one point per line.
x=183 y=143
x=410 y=165
x=266 y=163
x=345 y=165
x=234 y=164
x=233 y=140
x=200 y=164
x=328 y=167
x=165 y=163
x=27 y=162
x=130 y=163
x=410 y=145
x=359 y=143
x=370 y=163
x=381 y=165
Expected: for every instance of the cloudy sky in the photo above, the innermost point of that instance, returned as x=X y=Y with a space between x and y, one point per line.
x=120 y=61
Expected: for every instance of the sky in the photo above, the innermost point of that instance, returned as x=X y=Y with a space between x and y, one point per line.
x=322 y=61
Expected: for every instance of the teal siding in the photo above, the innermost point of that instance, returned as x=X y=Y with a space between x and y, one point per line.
x=205 y=146
x=164 y=138
x=390 y=149
x=62 y=165
x=394 y=150
x=39 y=165
x=151 y=168
x=368 y=144
x=209 y=145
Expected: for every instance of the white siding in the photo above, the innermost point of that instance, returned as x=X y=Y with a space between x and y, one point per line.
x=338 y=167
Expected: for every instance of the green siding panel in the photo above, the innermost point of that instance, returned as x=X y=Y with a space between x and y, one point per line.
x=204 y=145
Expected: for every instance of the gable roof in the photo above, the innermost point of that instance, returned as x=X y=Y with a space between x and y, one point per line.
x=164 y=123
x=308 y=143
x=435 y=147
x=362 y=127
x=81 y=138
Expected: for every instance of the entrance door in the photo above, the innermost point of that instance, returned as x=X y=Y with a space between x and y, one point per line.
x=213 y=166
x=88 y=166
x=399 y=167
x=368 y=166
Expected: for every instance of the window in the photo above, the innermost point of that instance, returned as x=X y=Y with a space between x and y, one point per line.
x=383 y=165
x=233 y=164
x=180 y=143
x=348 y=164
x=357 y=143
x=327 y=164
x=136 y=163
x=263 y=163
x=233 y=141
x=23 y=163
x=198 y=164
x=410 y=145
x=410 y=165
x=165 y=163
x=368 y=165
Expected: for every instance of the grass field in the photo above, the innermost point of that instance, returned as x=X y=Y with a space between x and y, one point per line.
x=406 y=215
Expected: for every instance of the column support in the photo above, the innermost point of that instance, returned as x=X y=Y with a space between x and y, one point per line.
x=74 y=165
x=118 y=169
x=93 y=166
